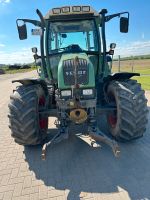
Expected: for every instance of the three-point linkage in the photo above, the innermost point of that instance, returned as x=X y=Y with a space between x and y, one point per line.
x=93 y=137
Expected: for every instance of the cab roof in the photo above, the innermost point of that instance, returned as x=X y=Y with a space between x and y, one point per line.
x=71 y=11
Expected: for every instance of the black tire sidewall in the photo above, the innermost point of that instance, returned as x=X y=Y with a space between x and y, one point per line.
x=24 y=120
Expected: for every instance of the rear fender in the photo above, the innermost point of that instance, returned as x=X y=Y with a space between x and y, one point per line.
x=116 y=77
x=27 y=82
x=120 y=76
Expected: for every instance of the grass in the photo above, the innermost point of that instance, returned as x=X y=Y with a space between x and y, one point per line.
x=143 y=71
x=139 y=66
x=144 y=80
x=127 y=69
x=14 y=71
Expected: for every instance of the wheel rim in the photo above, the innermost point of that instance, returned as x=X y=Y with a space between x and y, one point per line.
x=112 y=119
x=43 y=121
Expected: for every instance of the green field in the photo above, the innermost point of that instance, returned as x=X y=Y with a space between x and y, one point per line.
x=14 y=71
x=144 y=80
x=18 y=71
x=139 y=66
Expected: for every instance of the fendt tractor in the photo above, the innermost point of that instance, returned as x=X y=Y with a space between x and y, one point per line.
x=75 y=83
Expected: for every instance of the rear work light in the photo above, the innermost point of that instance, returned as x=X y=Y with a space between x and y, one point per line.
x=86 y=8
x=76 y=9
x=56 y=10
x=65 y=9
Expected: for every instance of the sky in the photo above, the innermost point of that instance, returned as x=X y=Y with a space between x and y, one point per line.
x=135 y=42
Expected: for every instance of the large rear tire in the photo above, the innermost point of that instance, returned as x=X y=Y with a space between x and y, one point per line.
x=26 y=124
x=129 y=121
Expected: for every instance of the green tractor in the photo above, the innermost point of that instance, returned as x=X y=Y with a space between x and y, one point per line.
x=76 y=84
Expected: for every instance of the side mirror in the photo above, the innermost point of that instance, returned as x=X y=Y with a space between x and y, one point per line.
x=111 y=52
x=112 y=45
x=34 y=50
x=22 y=30
x=124 y=24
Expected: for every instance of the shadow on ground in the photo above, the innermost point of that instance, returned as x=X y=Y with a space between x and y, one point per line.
x=75 y=166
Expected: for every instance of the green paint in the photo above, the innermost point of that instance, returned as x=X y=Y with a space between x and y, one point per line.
x=61 y=84
x=48 y=68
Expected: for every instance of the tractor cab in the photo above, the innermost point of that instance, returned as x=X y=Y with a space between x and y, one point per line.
x=73 y=31
x=72 y=37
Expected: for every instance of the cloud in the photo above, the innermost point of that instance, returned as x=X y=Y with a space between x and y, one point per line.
x=4 y=1
x=124 y=49
x=2 y=45
x=133 y=48
x=24 y=56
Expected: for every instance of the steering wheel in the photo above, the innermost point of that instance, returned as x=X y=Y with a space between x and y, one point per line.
x=73 y=48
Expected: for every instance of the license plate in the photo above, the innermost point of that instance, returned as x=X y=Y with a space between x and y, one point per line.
x=36 y=31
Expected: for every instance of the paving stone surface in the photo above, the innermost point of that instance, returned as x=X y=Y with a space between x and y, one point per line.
x=73 y=170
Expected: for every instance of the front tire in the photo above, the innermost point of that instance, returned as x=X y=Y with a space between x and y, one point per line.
x=26 y=124
x=129 y=121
